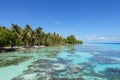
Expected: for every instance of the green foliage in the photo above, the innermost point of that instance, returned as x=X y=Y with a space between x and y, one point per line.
x=72 y=40
x=17 y=31
x=38 y=36
x=16 y=36
x=7 y=37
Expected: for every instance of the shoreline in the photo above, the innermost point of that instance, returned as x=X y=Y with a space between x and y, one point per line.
x=19 y=48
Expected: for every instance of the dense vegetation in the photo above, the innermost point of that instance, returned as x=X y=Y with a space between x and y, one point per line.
x=16 y=36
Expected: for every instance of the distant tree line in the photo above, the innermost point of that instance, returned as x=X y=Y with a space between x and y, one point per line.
x=27 y=37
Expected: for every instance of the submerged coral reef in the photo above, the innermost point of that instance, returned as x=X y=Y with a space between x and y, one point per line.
x=14 y=61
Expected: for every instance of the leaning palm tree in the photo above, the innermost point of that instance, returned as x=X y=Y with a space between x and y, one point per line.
x=43 y=38
x=24 y=38
x=38 y=35
x=28 y=36
x=48 y=39
x=17 y=31
x=32 y=39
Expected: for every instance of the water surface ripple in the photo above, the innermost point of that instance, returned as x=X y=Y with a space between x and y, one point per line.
x=71 y=62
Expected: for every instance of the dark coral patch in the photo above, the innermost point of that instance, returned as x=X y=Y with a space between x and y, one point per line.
x=104 y=60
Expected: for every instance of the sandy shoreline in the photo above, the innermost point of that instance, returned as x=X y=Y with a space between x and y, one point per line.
x=9 y=49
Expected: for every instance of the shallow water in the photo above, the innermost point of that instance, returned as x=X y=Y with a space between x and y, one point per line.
x=71 y=62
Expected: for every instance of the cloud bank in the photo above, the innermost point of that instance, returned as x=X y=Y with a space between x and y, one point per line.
x=95 y=38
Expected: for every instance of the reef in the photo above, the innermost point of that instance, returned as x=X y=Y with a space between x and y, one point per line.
x=13 y=61
x=45 y=69
x=110 y=53
x=111 y=73
x=113 y=70
x=104 y=60
x=64 y=61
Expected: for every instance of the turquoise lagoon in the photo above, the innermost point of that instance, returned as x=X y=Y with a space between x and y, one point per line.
x=70 y=62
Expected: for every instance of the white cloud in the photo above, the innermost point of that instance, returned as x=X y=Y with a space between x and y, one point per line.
x=77 y=37
x=95 y=38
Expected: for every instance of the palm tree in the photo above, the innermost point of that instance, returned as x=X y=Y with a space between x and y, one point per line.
x=38 y=35
x=57 y=38
x=54 y=40
x=17 y=31
x=48 y=39
x=43 y=38
x=24 y=38
x=28 y=36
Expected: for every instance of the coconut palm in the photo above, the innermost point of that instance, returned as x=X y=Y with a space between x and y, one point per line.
x=38 y=35
x=28 y=36
x=48 y=39
x=17 y=31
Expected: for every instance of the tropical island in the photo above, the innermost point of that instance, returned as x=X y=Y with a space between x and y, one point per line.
x=43 y=39
x=16 y=38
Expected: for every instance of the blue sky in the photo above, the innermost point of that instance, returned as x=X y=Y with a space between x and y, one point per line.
x=89 y=20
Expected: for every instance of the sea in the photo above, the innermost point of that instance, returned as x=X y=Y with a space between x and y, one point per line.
x=96 y=61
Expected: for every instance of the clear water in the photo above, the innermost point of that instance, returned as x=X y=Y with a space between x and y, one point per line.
x=71 y=62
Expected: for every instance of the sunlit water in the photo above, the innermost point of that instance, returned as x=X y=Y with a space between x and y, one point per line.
x=71 y=62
